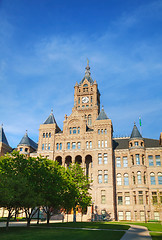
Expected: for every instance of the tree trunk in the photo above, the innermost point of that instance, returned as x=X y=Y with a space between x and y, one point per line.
x=48 y=216
x=8 y=218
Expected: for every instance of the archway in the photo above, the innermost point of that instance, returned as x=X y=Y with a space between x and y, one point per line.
x=59 y=160
x=88 y=160
x=78 y=159
x=68 y=161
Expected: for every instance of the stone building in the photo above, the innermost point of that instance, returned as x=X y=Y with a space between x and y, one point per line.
x=126 y=173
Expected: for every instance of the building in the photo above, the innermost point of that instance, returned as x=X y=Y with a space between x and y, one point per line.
x=126 y=172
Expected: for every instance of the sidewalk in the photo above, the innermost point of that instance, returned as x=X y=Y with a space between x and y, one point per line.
x=136 y=232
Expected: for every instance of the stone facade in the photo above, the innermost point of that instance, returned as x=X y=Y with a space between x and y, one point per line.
x=126 y=173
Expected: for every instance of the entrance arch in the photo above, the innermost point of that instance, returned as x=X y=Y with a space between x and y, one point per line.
x=78 y=159
x=68 y=160
x=59 y=160
x=88 y=161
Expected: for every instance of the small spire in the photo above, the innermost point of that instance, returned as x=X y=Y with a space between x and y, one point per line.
x=87 y=71
x=51 y=110
x=102 y=107
x=134 y=123
x=26 y=132
x=2 y=125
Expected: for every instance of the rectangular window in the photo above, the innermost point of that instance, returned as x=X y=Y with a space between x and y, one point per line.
x=68 y=145
x=135 y=199
x=156 y=216
x=160 y=178
x=42 y=147
x=73 y=145
x=120 y=216
x=126 y=180
x=128 y=215
x=105 y=158
x=105 y=131
x=43 y=135
x=118 y=162
x=125 y=162
x=142 y=216
x=70 y=131
x=119 y=180
x=120 y=200
x=102 y=144
x=103 y=197
x=78 y=130
x=158 y=162
x=100 y=176
x=98 y=131
x=127 y=200
x=101 y=131
x=154 y=198
x=99 y=158
x=46 y=135
x=137 y=159
x=90 y=145
x=79 y=145
x=160 y=197
x=150 y=159
x=105 y=176
x=46 y=146
x=140 y=197
x=49 y=146
x=74 y=130
x=86 y=145
x=60 y=146
x=98 y=144
x=135 y=215
x=105 y=143
x=49 y=135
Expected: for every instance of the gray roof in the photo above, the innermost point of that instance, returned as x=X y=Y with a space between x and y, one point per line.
x=87 y=75
x=102 y=115
x=123 y=143
x=3 y=138
x=50 y=119
x=135 y=133
x=28 y=142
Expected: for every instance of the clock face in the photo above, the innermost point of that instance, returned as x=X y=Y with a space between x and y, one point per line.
x=85 y=99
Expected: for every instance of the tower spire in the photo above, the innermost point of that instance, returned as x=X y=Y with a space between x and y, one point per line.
x=87 y=71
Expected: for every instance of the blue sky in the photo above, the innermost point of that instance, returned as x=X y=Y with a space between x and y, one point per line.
x=44 y=45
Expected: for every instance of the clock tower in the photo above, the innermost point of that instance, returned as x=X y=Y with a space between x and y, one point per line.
x=87 y=98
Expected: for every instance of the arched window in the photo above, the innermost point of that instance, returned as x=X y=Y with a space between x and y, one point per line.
x=152 y=178
x=89 y=120
x=126 y=179
x=139 y=179
x=134 y=178
x=119 y=180
x=85 y=85
x=144 y=178
x=57 y=146
x=160 y=178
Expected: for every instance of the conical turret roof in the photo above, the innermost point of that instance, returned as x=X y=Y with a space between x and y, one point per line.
x=102 y=115
x=50 y=119
x=3 y=138
x=135 y=133
x=28 y=141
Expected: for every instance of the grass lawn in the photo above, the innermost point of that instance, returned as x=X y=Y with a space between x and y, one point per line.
x=151 y=226
x=95 y=225
x=19 y=233
x=156 y=236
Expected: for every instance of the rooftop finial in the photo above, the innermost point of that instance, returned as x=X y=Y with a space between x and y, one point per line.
x=51 y=110
x=134 y=123
x=2 y=125
x=26 y=132
x=87 y=71
x=102 y=107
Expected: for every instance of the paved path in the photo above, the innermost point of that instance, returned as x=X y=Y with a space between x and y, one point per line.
x=136 y=232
